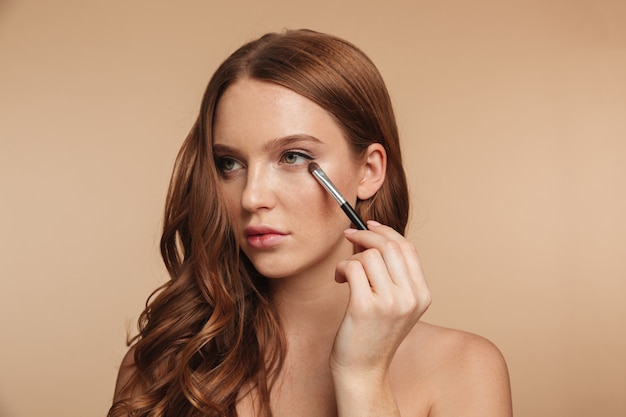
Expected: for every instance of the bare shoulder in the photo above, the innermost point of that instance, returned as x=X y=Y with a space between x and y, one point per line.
x=461 y=373
x=456 y=347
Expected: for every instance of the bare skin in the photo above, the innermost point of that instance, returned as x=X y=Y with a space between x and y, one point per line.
x=350 y=302
x=434 y=371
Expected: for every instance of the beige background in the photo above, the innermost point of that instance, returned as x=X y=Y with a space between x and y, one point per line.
x=513 y=116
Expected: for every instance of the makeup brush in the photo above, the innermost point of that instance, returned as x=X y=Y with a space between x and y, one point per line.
x=323 y=179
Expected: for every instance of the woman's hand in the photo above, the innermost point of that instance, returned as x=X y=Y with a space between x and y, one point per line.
x=388 y=295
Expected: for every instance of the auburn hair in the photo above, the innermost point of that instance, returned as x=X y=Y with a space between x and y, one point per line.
x=211 y=332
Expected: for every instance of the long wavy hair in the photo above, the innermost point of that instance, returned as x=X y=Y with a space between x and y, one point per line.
x=211 y=332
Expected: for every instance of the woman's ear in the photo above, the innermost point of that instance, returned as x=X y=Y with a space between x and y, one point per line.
x=374 y=169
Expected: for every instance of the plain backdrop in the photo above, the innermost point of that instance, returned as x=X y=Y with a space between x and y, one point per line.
x=513 y=121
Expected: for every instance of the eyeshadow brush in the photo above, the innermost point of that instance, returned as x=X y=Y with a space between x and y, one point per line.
x=323 y=179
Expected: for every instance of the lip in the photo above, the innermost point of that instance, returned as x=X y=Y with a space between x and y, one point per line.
x=264 y=237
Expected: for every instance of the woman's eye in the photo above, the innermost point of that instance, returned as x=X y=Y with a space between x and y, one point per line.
x=228 y=164
x=295 y=158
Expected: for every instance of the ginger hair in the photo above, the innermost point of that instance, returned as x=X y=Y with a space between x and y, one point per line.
x=210 y=333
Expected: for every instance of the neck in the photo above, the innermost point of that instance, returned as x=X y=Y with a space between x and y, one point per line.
x=311 y=306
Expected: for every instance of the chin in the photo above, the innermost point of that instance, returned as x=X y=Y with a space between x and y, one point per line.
x=273 y=271
x=279 y=267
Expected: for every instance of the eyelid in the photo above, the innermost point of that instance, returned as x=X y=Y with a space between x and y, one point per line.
x=299 y=152
x=302 y=152
x=222 y=153
x=219 y=160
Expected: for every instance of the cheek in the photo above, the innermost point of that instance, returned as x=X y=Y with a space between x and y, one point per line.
x=346 y=181
x=231 y=197
x=321 y=211
x=306 y=197
x=230 y=194
x=305 y=192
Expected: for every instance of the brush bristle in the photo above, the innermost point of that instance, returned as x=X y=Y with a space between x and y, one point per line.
x=313 y=166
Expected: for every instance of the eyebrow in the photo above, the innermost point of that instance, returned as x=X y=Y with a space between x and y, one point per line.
x=275 y=144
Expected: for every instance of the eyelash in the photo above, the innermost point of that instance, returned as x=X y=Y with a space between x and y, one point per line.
x=297 y=154
x=220 y=161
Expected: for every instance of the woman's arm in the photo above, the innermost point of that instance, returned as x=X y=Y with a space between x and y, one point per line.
x=388 y=295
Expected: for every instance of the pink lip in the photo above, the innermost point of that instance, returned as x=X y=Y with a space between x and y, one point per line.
x=263 y=237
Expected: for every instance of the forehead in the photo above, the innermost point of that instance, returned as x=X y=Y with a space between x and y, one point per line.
x=256 y=110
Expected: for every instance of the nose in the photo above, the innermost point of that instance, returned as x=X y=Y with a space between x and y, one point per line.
x=259 y=190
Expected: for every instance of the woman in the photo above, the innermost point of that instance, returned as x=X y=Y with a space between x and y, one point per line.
x=275 y=305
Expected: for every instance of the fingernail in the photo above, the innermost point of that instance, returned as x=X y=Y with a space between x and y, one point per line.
x=373 y=223
x=349 y=231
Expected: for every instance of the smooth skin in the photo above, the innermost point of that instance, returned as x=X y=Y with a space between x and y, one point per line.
x=350 y=301
x=356 y=346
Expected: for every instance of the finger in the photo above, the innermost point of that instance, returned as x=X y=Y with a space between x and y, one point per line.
x=376 y=270
x=416 y=297
x=401 y=260
x=417 y=279
x=407 y=247
x=352 y=272
x=388 y=243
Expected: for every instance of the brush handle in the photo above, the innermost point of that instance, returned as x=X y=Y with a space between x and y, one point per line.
x=356 y=220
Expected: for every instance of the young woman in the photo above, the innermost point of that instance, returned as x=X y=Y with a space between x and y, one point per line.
x=276 y=306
